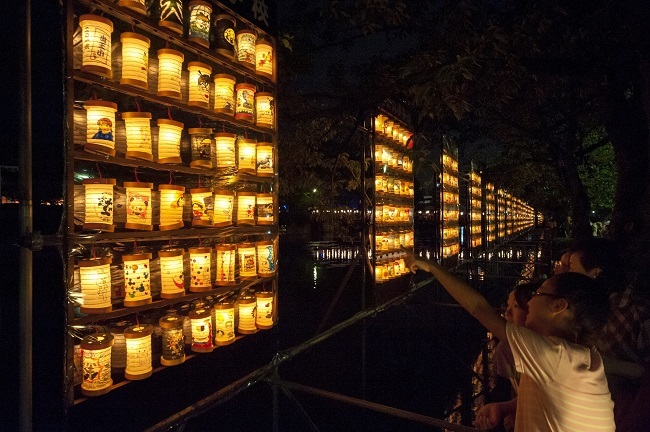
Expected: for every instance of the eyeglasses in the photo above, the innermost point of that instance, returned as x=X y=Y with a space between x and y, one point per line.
x=537 y=293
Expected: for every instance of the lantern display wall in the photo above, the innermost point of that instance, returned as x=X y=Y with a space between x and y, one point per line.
x=201 y=142
x=171 y=15
x=247 y=261
x=224 y=35
x=246 y=208
x=245 y=99
x=138 y=206
x=246 y=48
x=202 y=207
x=265 y=258
x=264 y=319
x=200 y=273
x=265 y=209
x=198 y=83
x=170 y=66
x=95 y=281
x=96 y=351
x=200 y=22
x=135 y=60
x=100 y=119
x=226 y=149
x=169 y=141
x=246 y=155
x=137 y=279
x=223 y=207
x=172 y=276
x=224 y=319
x=264 y=58
x=96 y=44
x=247 y=315
x=226 y=259
x=172 y=199
x=173 y=346
x=138 y=135
x=201 y=319
x=265 y=159
x=264 y=109
x=99 y=204
x=224 y=94
x=138 y=352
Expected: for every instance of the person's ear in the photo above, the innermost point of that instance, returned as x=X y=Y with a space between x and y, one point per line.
x=559 y=305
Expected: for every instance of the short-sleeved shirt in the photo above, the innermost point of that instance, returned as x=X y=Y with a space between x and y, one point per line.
x=562 y=387
x=506 y=364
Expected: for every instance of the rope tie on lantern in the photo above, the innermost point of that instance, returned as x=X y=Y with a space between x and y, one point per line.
x=171 y=177
x=200 y=122
x=137 y=104
x=99 y=172
x=135 y=173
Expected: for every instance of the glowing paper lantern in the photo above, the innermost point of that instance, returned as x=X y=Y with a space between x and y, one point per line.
x=202 y=207
x=245 y=99
x=99 y=204
x=198 y=83
x=224 y=318
x=100 y=118
x=95 y=281
x=226 y=149
x=137 y=279
x=96 y=352
x=265 y=159
x=265 y=208
x=265 y=258
x=169 y=141
x=264 y=58
x=138 y=135
x=138 y=206
x=247 y=261
x=201 y=320
x=96 y=45
x=226 y=257
x=135 y=60
x=247 y=155
x=172 y=200
x=246 y=48
x=171 y=15
x=200 y=262
x=388 y=128
x=247 y=315
x=264 y=319
x=264 y=110
x=170 y=66
x=172 y=276
x=135 y=5
x=223 y=206
x=138 y=352
x=173 y=349
x=224 y=94
x=246 y=208
x=201 y=143
x=199 y=30
x=224 y=35
x=379 y=124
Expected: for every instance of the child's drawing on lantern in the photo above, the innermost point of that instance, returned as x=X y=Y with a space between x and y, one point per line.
x=200 y=22
x=138 y=205
x=105 y=132
x=245 y=101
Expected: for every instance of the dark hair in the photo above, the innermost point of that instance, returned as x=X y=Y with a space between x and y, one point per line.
x=524 y=291
x=604 y=254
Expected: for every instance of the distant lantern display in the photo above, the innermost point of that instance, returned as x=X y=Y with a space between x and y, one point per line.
x=100 y=120
x=134 y=5
x=265 y=258
x=172 y=201
x=244 y=104
x=137 y=279
x=135 y=60
x=264 y=109
x=198 y=83
x=201 y=143
x=246 y=208
x=96 y=45
x=265 y=159
x=246 y=155
x=202 y=207
x=379 y=123
x=264 y=319
x=138 y=352
x=224 y=35
x=247 y=315
x=171 y=15
x=170 y=67
x=223 y=208
x=172 y=276
x=388 y=128
x=226 y=259
x=173 y=346
x=169 y=141
x=200 y=274
x=246 y=48
x=95 y=281
x=226 y=149
x=264 y=58
x=201 y=320
x=199 y=30
x=138 y=206
x=247 y=261
x=98 y=212
x=265 y=208
x=224 y=319
x=96 y=364
x=138 y=135
x=224 y=94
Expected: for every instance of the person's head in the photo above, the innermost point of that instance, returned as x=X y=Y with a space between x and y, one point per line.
x=562 y=265
x=105 y=124
x=517 y=305
x=598 y=258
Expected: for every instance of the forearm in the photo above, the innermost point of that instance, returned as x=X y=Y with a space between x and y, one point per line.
x=508 y=407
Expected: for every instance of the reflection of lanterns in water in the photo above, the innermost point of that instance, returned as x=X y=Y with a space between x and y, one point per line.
x=265 y=258
x=223 y=206
x=98 y=199
x=265 y=208
x=135 y=60
x=201 y=143
x=246 y=48
x=170 y=67
x=172 y=276
x=247 y=155
x=265 y=159
x=96 y=352
x=95 y=281
x=264 y=58
x=201 y=320
x=200 y=272
x=199 y=29
x=264 y=109
x=224 y=318
x=138 y=135
x=247 y=315
x=173 y=347
x=172 y=200
x=137 y=279
x=245 y=100
x=226 y=259
x=138 y=206
x=226 y=149
x=247 y=261
x=224 y=94
x=264 y=319
x=100 y=118
x=96 y=42
x=198 y=83
x=246 y=208
x=202 y=207
x=169 y=141
x=138 y=352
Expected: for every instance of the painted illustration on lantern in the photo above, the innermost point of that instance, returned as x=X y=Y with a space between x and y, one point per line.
x=200 y=23
x=200 y=270
x=138 y=205
x=266 y=57
x=245 y=101
x=105 y=129
x=248 y=263
x=171 y=10
x=105 y=204
x=92 y=368
x=137 y=281
x=229 y=36
x=264 y=163
x=268 y=264
x=225 y=325
x=203 y=82
x=202 y=207
x=204 y=149
x=175 y=342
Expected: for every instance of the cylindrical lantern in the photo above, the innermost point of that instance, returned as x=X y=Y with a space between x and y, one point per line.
x=95 y=281
x=247 y=315
x=223 y=205
x=99 y=204
x=265 y=159
x=264 y=58
x=265 y=258
x=246 y=155
x=388 y=128
x=138 y=206
x=172 y=277
x=100 y=118
x=264 y=319
x=96 y=45
x=224 y=35
x=202 y=207
x=138 y=352
x=170 y=66
x=246 y=208
x=224 y=318
x=265 y=208
x=172 y=200
x=247 y=261
x=169 y=141
x=226 y=257
x=200 y=262
x=198 y=83
x=118 y=351
x=199 y=31
x=245 y=99
x=226 y=149
x=96 y=351
x=137 y=279
x=224 y=94
x=173 y=347
x=246 y=48
x=201 y=143
x=135 y=59
x=138 y=135
x=201 y=319
x=171 y=15
x=135 y=5
x=264 y=109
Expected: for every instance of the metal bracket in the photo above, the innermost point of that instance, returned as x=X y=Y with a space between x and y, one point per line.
x=33 y=241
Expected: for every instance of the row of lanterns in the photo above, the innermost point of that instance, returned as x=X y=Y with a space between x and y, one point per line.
x=391 y=185
x=450 y=206
x=392 y=130
x=390 y=267
x=385 y=155
x=391 y=213
x=388 y=240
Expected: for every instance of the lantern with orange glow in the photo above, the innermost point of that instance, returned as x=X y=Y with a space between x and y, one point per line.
x=224 y=94
x=223 y=206
x=170 y=66
x=264 y=110
x=245 y=99
x=99 y=204
x=226 y=257
x=201 y=143
x=96 y=352
x=100 y=119
x=224 y=35
x=201 y=320
x=265 y=258
x=138 y=352
x=264 y=58
x=96 y=45
x=135 y=60
x=395 y=133
x=265 y=208
x=172 y=200
x=138 y=135
x=264 y=319
x=224 y=318
x=171 y=15
x=138 y=206
x=172 y=276
x=246 y=155
x=246 y=208
x=202 y=207
x=388 y=128
x=198 y=82
x=200 y=272
x=226 y=149
x=265 y=159
x=137 y=279
x=169 y=141
x=173 y=347
x=246 y=48
x=95 y=281
x=247 y=315
x=200 y=22
x=247 y=261
x=134 y=5
x=379 y=124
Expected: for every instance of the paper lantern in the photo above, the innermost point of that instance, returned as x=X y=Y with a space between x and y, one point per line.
x=224 y=94
x=173 y=349
x=224 y=35
x=379 y=124
x=201 y=143
x=265 y=159
x=138 y=135
x=247 y=261
x=172 y=200
x=187 y=330
x=169 y=141
x=96 y=45
x=95 y=281
x=172 y=276
x=226 y=257
x=134 y=5
x=138 y=206
x=379 y=272
x=170 y=66
x=202 y=207
x=100 y=118
x=138 y=352
x=246 y=48
x=198 y=83
x=226 y=149
x=99 y=204
x=118 y=351
x=199 y=30
x=201 y=320
x=388 y=128
x=246 y=208
x=224 y=319
x=265 y=258
x=245 y=99
x=395 y=133
x=96 y=352
x=247 y=315
x=135 y=59
x=264 y=110
x=265 y=208
x=246 y=155
x=264 y=319
x=137 y=279
x=264 y=58
x=171 y=15
x=223 y=206
x=200 y=262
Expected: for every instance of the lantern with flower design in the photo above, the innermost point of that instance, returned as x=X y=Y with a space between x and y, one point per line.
x=99 y=204
x=200 y=272
x=264 y=58
x=100 y=118
x=138 y=206
x=226 y=259
x=137 y=279
x=96 y=45
x=172 y=276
